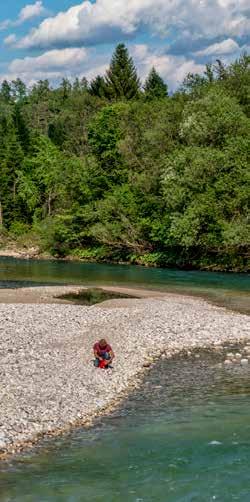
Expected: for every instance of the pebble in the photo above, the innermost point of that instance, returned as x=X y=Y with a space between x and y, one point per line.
x=48 y=380
x=244 y=362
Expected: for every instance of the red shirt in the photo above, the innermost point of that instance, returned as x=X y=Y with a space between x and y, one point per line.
x=101 y=350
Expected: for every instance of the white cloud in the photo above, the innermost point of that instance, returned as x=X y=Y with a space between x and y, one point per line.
x=53 y=61
x=99 y=68
x=228 y=46
x=5 y=24
x=10 y=40
x=28 y=12
x=173 y=69
x=107 y=20
x=52 y=65
x=81 y=62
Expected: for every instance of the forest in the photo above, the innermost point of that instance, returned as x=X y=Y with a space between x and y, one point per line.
x=118 y=170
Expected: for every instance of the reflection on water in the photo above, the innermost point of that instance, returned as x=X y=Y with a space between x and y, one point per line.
x=184 y=436
x=230 y=290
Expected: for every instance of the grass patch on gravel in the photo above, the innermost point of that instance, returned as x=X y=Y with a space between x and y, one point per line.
x=92 y=296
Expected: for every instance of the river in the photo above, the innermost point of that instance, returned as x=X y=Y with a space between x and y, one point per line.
x=226 y=289
x=184 y=436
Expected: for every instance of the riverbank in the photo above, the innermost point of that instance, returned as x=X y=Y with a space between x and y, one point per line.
x=34 y=253
x=31 y=253
x=48 y=382
x=52 y=294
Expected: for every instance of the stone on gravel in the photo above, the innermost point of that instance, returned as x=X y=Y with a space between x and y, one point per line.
x=48 y=380
x=244 y=362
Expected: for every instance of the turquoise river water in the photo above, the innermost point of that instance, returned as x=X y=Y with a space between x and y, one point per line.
x=228 y=289
x=184 y=436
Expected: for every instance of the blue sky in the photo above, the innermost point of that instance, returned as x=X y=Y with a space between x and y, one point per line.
x=56 y=38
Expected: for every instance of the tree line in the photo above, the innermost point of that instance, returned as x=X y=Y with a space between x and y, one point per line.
x=115 y=170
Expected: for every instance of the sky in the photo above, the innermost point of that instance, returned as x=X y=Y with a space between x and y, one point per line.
x=52 y=39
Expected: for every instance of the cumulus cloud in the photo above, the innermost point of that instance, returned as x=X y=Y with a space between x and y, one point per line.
x=228 y=46
x=52 y=65
x=5 y=24
x=108 y=20
x=10 y=39
x=81 y=62
x=172 y=69
x=53 y=61
x=28 y=12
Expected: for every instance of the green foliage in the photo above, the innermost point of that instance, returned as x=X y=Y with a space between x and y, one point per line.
x=5 y=92
x=206 y=195
x=19 y=91
x=11 y=159
x=91 y=254
x=209 y=120
x=18 y=229
x=98 y=87
x=104 y=136
x=155 y=87
x=109 y=172
x=122 y=81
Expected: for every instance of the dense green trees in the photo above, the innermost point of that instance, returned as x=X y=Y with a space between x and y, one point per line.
x=114 y=171
x=121 y=80
x=98 y=87
x=154 y=86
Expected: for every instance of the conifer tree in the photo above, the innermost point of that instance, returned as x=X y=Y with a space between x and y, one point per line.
x=98 y=87
x=5 y=92
x=155 y=87
x=84 y=85
x=19 y=90
x=11 y=157
x=65 y=88
x=76 y=85
x=122 y=81
x=22 y=130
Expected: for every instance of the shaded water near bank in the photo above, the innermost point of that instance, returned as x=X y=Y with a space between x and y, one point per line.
x=183 y=437
x=226 y=289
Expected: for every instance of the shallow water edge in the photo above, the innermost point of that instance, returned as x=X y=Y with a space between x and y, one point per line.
x=35 y=254
x=216 y=353
x=149 y=328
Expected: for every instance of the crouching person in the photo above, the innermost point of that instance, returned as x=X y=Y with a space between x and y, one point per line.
x=103 y=353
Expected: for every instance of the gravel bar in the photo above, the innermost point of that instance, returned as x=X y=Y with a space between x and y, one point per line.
x=48 y=382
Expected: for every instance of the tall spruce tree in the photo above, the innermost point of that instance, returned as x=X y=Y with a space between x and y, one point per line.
x=122 y=81
x=11 y=158
x=98 y=87
x=155 y=87
x=5 y=92
x=19 y=90
x=21 y=127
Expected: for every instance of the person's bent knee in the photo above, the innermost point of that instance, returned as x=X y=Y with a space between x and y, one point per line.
x=106 y=356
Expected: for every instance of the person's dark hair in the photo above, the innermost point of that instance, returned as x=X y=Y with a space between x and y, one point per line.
x=103 y=342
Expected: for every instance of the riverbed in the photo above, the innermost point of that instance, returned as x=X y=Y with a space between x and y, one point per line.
x=231 y=290
x=183 y=437
x=48 y=380
x=183 y=433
